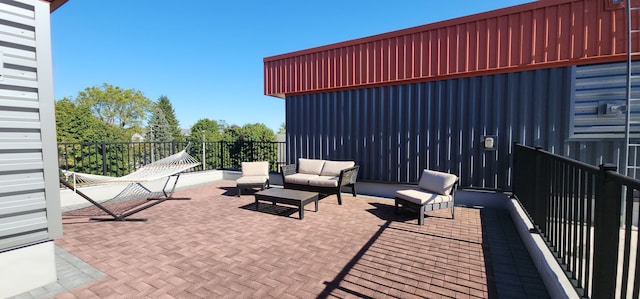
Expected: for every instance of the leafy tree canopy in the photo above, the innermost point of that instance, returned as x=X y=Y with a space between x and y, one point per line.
x=210 y=128
x=254 y=132
x=126 y=108
x=76 y=123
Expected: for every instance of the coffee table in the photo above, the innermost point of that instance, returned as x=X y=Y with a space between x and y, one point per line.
x=288 y=197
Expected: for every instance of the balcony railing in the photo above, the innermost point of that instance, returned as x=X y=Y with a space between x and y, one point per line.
x=578 y=210
x=121 y=158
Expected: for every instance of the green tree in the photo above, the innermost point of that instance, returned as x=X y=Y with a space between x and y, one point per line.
x=170 y=115
x=232 y=133
x=210 y=128
x=251 y=142
x=76 y=123
x=126 y=108
x=282 y=129
x=158 y=128
x=257 y=132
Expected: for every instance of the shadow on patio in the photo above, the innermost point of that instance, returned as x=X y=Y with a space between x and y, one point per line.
x=216 y=245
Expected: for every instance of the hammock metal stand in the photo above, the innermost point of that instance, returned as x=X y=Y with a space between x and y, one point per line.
x=152 y=201
x=168 y=167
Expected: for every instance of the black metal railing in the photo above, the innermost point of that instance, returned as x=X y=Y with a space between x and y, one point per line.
x=121 y=158
x=578 y=210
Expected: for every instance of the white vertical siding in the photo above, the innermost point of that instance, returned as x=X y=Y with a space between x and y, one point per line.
x=27 y=127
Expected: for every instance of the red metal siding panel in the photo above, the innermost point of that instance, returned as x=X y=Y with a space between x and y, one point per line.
x=472 y=49
x=484 y=37
x=434 y=53
x=451 y=47
x=423 y=55
x=564 y=32
x=384 y=62
x=392 y=73
x=539 y=34
x=503 y=42
x=551 y=33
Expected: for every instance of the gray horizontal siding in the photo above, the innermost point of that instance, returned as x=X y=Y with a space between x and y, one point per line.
x=23 y=204
x=596 y=86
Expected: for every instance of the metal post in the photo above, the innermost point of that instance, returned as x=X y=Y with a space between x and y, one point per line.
x=606 y=225
x=222 y=154
x=204 y=150
x=104 y=158
x=541 y=191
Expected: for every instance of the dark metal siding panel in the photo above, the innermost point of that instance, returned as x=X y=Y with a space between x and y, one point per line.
x=394 y=132
x=540 y=34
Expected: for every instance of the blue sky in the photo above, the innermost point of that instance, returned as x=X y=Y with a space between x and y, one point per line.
x=207 y=56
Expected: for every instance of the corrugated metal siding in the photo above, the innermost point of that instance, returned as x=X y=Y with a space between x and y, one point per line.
x=23 y=210
x=596 y=87
x=394 y=132
x=540 y=34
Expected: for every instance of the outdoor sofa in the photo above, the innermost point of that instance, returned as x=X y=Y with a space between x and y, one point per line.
x=322 y=176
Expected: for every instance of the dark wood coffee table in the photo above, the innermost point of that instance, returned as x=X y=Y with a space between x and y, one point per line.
x=288 y=197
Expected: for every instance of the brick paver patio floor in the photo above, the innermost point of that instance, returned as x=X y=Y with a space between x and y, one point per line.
x=217 y=246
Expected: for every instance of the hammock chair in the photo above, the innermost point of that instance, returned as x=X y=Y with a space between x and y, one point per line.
x=166 y=168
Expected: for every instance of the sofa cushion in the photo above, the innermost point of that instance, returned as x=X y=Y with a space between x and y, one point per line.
x=255 y=168
x=333 y=168
x=252 y=179
x=299 y=178
x=324 y=181
x=422 y=197
x=310 y=166
x=437 y=182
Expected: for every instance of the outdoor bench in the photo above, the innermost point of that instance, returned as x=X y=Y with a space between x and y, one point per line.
x=322 y=176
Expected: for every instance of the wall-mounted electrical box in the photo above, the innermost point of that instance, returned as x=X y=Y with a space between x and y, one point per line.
x=489 y=142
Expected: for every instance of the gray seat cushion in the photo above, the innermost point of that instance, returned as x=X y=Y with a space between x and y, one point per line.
x=252 y=179
x=299 y=178
x=422 y=197
x=437 y=182
x=255 y=168
x=324 y=181
x=333 y=168
x=310 y=166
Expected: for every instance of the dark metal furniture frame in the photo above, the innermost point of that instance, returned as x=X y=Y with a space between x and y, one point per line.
x=296 y=198
x=347 y=178
x=402 y=203
x=262 y=186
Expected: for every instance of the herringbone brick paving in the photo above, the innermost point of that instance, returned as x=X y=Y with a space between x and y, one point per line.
x=217 y=246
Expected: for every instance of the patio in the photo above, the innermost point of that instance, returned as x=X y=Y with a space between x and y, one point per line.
x=217 y=245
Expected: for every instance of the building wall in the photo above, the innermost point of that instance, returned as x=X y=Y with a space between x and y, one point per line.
x=29 y=190
x=599 y=108
x=394 y=132
x=540 y=34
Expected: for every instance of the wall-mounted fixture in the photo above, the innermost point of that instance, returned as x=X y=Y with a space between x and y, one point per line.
x=489 y=142
x=611 y=108
x=614 y=4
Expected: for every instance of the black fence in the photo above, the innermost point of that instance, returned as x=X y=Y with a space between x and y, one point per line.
x=121 y=158
x=587 y=215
